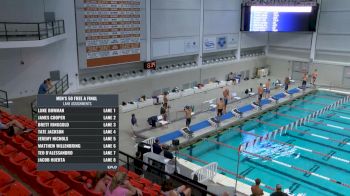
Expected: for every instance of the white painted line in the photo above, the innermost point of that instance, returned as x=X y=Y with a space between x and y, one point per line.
x=320 y=136
x=324 y=177
x=334 y=126
x=305 y=149
x=284 y=164
x=344 y=117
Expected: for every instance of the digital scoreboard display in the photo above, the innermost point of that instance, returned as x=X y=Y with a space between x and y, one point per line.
x=78 y=132
x=150 y=65
x=279 y=18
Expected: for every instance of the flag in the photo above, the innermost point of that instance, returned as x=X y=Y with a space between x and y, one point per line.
x=274 y=134
x=254 y=142
x=261 y=139
x=240 y=148
x=267 y=137
x=246 y=145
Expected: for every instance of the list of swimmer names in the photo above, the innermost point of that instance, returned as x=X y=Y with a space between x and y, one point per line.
x=78 y=132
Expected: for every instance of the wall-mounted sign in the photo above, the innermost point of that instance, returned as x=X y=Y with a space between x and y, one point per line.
x=221 y=43
x=209 y=43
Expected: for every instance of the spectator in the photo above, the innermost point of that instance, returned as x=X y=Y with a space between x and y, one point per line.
x=13 y=127
x=225 y=194
x=133 y=126
x=102 y=181
x=256 y=190
x=43 y=88
x=167 y=153
x=278 y=191
x=48 y=84
x=138 y=163
x=120 y=186
x=157 y=149
x=230 y=76
x=168 y=189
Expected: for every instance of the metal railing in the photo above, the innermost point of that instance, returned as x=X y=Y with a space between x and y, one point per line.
x=18 y=31
x=59 y=88
x=4 y=102
x=157 y=175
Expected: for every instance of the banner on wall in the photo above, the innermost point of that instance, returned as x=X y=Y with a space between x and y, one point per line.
x=112 y=31
x=221 y=43
x=209 y=43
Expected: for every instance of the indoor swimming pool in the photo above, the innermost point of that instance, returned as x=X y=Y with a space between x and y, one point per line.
x=310 y=159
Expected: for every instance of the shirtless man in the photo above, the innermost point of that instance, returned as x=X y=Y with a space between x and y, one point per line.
x=256 y=190
x=305 y=77
x=314 y=77
x=226 y=94
x=165 y=100
x=260 y=94
x=188 y=115
x=268 y=90
x=220 y=107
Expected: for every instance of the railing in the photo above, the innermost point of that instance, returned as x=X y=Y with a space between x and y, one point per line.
x=59 y=88
x=158 y=175
x=206 y=172
x=4 y=102
x=17 y=31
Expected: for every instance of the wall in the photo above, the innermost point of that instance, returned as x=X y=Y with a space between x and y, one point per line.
x=23 y=80
x=279 y=67
x=131 y=89
x=283 y=67
x=334 y=31
x=21 y=11
x=175 y=27
x=221 y=21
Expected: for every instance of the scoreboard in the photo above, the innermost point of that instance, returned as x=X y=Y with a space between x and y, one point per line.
x=78 y=132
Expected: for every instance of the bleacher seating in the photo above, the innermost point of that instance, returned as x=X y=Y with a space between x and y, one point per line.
x=18 y=155
x=9 y=187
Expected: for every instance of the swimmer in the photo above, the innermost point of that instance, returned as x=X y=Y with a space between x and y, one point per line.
x=226 y=94
x=305 y=78
x=268 y=90
x=220 y=107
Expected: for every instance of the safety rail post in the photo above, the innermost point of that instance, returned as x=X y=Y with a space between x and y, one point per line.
x=47 y=30
x=6 y=36
x=39 y=35
x=4 y=101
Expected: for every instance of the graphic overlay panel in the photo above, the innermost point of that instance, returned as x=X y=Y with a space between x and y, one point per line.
x=78 y=132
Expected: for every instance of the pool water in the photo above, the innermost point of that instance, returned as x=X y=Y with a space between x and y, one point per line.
x=310 y=136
